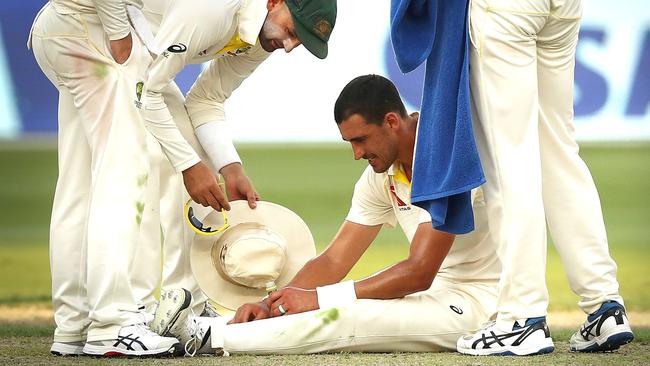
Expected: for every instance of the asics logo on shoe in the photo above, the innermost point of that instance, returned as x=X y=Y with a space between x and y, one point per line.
x=586 y=330
x=520 y=332
x=129 y=345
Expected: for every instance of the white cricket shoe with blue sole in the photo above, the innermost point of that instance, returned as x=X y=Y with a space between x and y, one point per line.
x=605 y=330
x=525 y=338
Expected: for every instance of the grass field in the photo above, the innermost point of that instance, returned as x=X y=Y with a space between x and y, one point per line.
x=29 y=345
x=316 y=182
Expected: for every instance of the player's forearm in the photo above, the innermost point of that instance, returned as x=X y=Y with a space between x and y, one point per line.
x=319 y=271
x=159 y=122
x=113 y=16
x=397 y=281
x=416 y=273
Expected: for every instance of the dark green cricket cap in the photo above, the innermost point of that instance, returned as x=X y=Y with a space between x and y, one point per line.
x=314 y=21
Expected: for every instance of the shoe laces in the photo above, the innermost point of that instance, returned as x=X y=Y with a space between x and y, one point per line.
x=195 y=333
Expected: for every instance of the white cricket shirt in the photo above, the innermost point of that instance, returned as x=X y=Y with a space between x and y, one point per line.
x=112 y=13
x=223 y=32
x=385 y=198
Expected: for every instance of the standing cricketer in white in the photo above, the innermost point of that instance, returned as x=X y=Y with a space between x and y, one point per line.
x=522 y=60
x=235 y=37
x=91 y=55
x=422 y=303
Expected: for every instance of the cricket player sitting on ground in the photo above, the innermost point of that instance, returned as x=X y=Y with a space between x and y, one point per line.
x=443 y=290
x=235 y=37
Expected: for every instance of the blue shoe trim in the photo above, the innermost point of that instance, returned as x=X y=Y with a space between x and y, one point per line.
x=603 y=308
x=531 y=321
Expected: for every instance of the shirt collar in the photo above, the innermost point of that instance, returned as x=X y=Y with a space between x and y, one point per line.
x=251 y=18
x=398 y=174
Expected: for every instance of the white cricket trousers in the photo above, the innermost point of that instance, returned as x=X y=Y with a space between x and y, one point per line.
x=103 y=165
x=521 y=65
x=165 y=238
x=427 y=321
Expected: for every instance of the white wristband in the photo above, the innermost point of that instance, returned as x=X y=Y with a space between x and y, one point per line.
x=338 y=294
x=217 y=143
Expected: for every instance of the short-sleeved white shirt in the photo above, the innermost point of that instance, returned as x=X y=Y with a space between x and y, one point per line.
x=385 y=199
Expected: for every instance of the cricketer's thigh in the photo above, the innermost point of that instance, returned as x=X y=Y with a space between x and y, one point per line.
x=428 y=321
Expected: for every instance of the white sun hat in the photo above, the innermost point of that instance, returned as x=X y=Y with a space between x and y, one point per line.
x=254 y=247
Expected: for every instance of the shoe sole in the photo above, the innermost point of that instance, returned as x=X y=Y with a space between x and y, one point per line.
x=510 y=351
x=163 y=329
x=63 y=354
x=102 y=351
x=612 y=343
x=65 y=350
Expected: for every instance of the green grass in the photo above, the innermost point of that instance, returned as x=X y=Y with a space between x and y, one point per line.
x=29 y=345
x=317 y=182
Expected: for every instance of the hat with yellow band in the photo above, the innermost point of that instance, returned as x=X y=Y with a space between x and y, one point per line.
x=235 y=254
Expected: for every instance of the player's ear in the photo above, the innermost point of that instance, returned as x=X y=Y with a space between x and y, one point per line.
x=270 y=4
x=392 y=119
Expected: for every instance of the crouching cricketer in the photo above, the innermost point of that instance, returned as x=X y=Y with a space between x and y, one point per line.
x=423 y=303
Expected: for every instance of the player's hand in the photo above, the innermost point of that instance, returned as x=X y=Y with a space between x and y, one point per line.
x=238 y=186
x=203 y=187
x=121 y=49
x=293 y=300
x=251 y=311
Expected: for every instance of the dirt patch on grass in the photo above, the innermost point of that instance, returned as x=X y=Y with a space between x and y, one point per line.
x=27 y=313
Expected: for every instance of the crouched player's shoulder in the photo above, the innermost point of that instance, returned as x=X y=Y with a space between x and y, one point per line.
x=372 y=185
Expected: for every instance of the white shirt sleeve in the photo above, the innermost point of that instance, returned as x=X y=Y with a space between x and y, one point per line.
x=186 y=29
x=216 y=83
x=205 y=101
x=112 y=14
x=371 y=204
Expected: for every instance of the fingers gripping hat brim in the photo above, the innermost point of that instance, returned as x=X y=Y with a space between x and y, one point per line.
x=278 y=219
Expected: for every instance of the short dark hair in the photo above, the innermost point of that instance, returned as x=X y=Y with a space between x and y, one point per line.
x=371 y=96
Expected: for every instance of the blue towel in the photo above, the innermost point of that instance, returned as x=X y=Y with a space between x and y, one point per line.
x=446 y=165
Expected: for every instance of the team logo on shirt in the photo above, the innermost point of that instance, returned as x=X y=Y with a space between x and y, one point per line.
x=139 y=86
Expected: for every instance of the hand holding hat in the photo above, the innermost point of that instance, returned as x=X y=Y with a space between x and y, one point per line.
x=233 y=266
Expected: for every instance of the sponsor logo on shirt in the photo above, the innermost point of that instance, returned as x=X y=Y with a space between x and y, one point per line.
x=239 y=51
x=456 y=309
x=177 y=48
x=401 y=205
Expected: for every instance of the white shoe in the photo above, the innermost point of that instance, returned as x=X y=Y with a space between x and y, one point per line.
x=67 y=348
x=135 y=340
x=605 y=330
x=526 y=337
x=172 y=303
x=194 y=333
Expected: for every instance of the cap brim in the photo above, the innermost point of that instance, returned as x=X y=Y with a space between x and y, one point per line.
x=279 y=219
x=313 y=44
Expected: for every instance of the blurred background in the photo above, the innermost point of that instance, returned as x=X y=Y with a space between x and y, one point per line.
x=282 y=120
